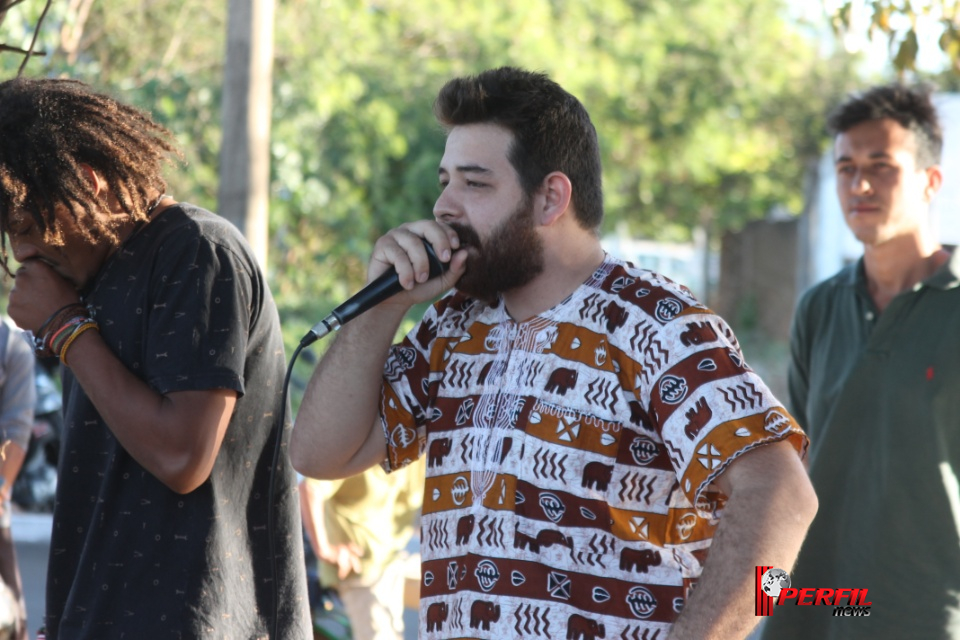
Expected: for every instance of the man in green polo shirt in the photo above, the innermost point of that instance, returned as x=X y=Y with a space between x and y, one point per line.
x=875 y=382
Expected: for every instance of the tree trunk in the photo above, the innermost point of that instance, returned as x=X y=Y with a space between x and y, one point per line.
x=704 y=237
x=247 y=100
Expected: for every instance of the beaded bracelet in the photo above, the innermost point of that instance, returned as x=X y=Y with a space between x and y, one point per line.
x=52 y=320
x=82 y=327
x=53 y=328
x=63 y=333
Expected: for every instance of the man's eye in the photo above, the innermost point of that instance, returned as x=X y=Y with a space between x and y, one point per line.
x=18 y=227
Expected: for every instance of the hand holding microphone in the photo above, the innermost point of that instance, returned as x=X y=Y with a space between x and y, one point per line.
x=383 y=287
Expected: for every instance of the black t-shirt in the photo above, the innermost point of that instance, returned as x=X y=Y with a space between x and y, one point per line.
x=184 y=306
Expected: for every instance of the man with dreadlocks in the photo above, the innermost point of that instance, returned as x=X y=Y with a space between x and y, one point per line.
x=172 y=359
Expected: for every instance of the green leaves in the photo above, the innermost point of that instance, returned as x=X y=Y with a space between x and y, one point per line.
x=707 y=110
x=906 y=56
x=903 y=24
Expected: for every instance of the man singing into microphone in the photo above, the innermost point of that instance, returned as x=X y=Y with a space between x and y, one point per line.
x=592 y=432
x=172 y=375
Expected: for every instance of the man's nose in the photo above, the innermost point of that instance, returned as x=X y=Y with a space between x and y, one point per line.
x=446 y=209
x=22 y=248
x=859 y=183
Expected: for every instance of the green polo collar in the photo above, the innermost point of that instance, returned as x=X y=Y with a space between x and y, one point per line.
x=946 y=277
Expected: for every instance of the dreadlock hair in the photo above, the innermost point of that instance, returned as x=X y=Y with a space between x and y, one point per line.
x=551 y=130
x=51 y=128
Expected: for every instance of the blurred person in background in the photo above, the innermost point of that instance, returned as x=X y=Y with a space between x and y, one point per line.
x=36 y=486
x=17 y=401
x=359 y=529
x=875 y=381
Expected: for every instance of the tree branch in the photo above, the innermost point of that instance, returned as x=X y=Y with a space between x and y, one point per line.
x=7 y=47
x=33 y=42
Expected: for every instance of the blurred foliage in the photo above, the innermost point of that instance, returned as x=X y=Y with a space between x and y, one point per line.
x=165 y=56
x=897 y=21
x=709 y=111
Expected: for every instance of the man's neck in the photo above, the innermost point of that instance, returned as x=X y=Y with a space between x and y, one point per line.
x=897 y=265
x=567 y=265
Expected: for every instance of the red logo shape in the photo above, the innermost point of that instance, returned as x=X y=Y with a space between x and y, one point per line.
x=764 y=602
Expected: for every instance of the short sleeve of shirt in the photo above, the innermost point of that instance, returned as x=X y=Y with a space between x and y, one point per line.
x=711 y=407
x=203 y=305
x=411 y=377
x=403 y=401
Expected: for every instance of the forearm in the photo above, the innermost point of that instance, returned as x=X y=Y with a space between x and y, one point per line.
x=18 y=399
x=336 y=433
x=310 y=525
x=175 y=437
x=313 y=494
x=762 y=524
x=10 y=463
x=9 y=570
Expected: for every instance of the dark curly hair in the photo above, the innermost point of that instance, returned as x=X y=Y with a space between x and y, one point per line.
x=49 y=130
x=911 y=107
x=551 y=130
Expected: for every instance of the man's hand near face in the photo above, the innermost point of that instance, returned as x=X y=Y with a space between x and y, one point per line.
x=38 y=292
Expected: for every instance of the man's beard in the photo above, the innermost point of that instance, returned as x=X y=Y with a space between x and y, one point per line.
x=509 y=258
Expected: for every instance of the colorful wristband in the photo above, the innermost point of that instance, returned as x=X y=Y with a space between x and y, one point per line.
x=89 y=324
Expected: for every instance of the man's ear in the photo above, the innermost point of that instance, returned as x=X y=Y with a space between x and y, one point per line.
x=93 y=178
x=555 y=192
x=934 y=181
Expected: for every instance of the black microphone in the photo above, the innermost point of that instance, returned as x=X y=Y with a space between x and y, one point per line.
x=385 y=286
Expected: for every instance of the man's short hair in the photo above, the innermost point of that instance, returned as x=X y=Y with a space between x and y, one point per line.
x=912 y=107
x=551 y=130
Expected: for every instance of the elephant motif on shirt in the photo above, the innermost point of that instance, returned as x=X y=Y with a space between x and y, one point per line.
x=482 y=613
x=616 y=316
x=698 y=333
x=697 y=418
x=439 y=449
x=581 y=628
x=436 y=616
x=596 y=475
x=550 y=537
x=465 y=528
x=639 y=560
x=561 y=380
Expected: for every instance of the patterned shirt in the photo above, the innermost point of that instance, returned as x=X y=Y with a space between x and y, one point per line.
x=570 y=458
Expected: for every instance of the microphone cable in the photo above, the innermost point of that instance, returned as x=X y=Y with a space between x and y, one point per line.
x=383 y=287
x=271 y=516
